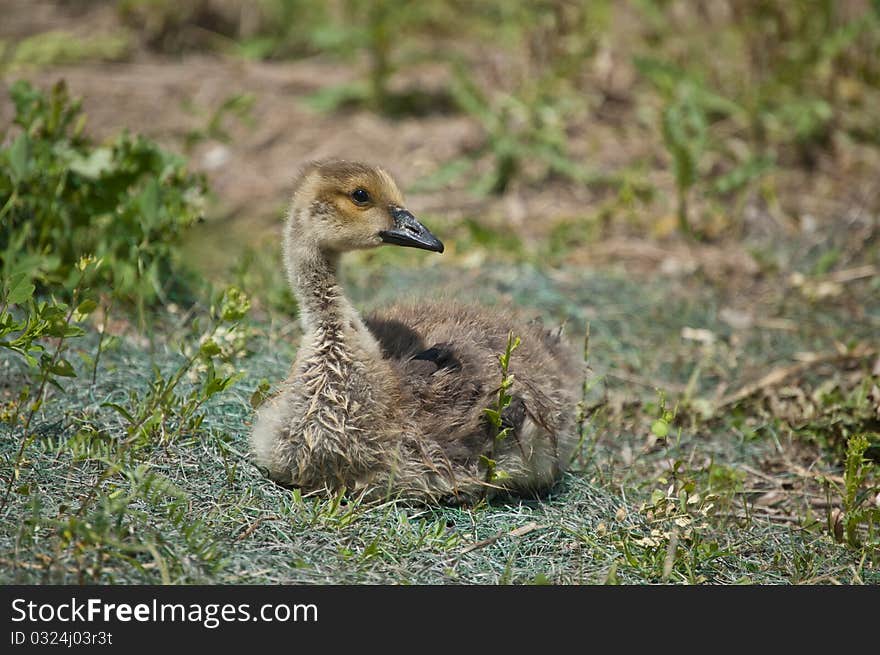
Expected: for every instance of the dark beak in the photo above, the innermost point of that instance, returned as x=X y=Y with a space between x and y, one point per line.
x=409 y=232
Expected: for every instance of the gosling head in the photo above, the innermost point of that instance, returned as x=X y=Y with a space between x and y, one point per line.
x=341 y=205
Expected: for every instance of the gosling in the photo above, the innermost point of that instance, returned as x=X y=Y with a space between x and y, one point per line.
x=393 y=405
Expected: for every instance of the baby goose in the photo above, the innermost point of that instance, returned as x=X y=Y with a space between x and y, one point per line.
x=393 y=405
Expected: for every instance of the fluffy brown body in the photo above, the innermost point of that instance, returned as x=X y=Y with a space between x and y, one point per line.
x=393 y=405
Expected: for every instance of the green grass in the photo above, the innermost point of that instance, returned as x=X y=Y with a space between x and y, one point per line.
x=63 y=48
x=198 y=512
x=194 y=509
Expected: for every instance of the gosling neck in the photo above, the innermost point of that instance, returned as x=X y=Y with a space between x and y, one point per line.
x=313 y=278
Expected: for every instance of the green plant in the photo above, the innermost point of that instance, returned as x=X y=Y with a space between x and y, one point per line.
x=61 y=197
x=836 y=412
x=676 y=544
x=108 y=526
x=290 y=28
x=684 y=133
x=165 y=413
x=527 y=119
x=800 y=53
x=380 y=30
x=691 y=112
x=256 y=273
x=177 y=26
x=861 y=510
x=798 y=71
x=582 y=409
x=60 y=47
x=495 y=414
x=24 y=333
x=238 y=105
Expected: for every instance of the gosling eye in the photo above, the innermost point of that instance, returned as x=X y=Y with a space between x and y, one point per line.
x=360 y=196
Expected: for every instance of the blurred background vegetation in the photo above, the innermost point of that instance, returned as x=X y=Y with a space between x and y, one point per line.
x=532 y=128
x=697 y=180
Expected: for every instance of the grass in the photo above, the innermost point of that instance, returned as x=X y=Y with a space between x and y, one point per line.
x=682 y=509
x=208 y=516
x=60 y=47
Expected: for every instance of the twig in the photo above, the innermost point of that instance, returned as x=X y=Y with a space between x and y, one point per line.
x=779 y=375
x=253 y=527
x=517 y=532
x=805 y=473
x=852 y=274
x=32 y=566
x=760 y=474
x=782 y=518
x=651 y=384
